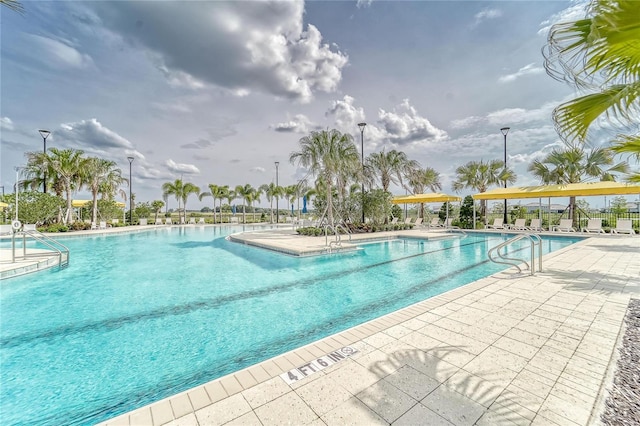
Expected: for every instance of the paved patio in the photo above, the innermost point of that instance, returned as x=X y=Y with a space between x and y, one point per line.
x=532 y=350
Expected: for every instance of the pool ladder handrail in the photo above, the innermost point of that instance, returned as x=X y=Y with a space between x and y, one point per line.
x=534 y=240
x=60 y=249
x=338 y=237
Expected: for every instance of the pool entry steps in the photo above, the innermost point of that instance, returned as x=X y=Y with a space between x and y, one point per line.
x=53 y=248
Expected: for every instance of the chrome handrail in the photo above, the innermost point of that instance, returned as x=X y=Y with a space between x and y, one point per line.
x=534 y=240
x=61 y=250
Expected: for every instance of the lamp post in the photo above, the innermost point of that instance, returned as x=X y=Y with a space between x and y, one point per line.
x=130 y=199
x=362 y=126
x=277 y=197
x=45 y=134
x=504 y=131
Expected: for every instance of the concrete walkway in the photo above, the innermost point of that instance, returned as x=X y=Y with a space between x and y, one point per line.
x=533 y=350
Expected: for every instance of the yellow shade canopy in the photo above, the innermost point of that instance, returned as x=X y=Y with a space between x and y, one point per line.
x=3 y=205
x=567 y=190
x=424 y=198
x=120 y=204
x=80 y=203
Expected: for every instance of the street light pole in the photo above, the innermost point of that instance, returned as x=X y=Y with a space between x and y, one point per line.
x=362 y=126
x=45 y=134
x=504 y=131
x=130 y=192
x=277 y=197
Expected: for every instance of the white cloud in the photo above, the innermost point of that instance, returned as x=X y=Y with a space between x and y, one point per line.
x=509 y=116
x=239 y=46
x=486 y=14
x=404 y=125
x=6 y=123
x=258 y=169
x=526 y=70
x=300 y=123
x=363 y=3
x=347 y=116
x=58 y=53
x=574 y=12
x=181 y=167
x=464 y=123
x=90 y=134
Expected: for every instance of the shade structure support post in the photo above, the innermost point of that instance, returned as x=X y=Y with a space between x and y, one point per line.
x=474 y=215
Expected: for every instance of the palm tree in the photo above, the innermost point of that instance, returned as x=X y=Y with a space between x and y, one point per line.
x=245 y=192
x=253 y=197
x=422 y=179
x=181 y=191
x=290 y=194
x=230 y=195
x=157 y=205
x=599 y=53
x=389 y=167
x=214 y=193
x=99 y=174
x=479 y=176
x=327 y=154
x=575 y=165
x=271 y=191
x=14 y=5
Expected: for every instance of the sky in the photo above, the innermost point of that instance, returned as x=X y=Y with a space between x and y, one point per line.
x=217 y=92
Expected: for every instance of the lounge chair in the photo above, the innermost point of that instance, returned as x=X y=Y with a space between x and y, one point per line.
x=94 y=226
x=167 y=221
x=143 y=221
x=201 y=221
x=566 y=225
x=519 y=225
x=418 y=222
x=535 y=225
x=407 y=221
x=498 y=223
x=435 y=223
x=449 y=224
x=103 y=224
x=158 y=221
x=623 y=226
x=192 y=221
x=6 y=230
x=594 y=225
x=394 y=220
x=29 y=227
x=115 y=221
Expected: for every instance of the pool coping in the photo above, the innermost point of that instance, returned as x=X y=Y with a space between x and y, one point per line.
x=187 y=407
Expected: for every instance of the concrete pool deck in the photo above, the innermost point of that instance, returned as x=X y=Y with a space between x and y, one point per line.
x=530 y=350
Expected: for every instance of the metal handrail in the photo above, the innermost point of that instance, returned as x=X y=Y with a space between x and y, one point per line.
x=326 y=236
x=346 y=230
x=534 y=240
x=56 y=246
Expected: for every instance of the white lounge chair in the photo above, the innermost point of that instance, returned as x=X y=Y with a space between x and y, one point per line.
x=6 y=230
x=566 y=225
x=115 y=221
x=519 y=225
x=201 y=221
x=143 y=221
x=94 y=226
x=158 y=221
x=418 y=221
x=594 y=225
x=435 y=223
x=182 y=221
x=167 y=221
x=535 y=225
x=192 y=221
x=623 y=226
x=394 y=220
x=103 y=224
x=407 y=221
x=498 y=223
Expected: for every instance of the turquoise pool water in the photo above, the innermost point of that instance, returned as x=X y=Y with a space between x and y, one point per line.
x=139 y=317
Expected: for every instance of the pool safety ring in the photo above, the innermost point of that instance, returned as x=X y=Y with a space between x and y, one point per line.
x=16 y=225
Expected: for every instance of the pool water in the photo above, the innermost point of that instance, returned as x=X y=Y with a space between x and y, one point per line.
x=139 y=317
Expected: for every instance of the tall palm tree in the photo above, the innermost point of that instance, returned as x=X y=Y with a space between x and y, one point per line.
x=327 y=154
x=14 y=5
x=98 y=174
x=214 y=191
x=390 y=167
x=245 y=192
x=479 y=176
x=575 y=165
x=422 y=179
x=157 y=205
x=181 y=191
x=290 y=194
x=254 y=196
x=600 y=54
x=271 y=191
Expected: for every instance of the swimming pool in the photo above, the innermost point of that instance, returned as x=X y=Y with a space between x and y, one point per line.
x=140 y=317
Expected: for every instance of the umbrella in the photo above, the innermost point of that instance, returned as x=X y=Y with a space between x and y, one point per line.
x=292 y=209
x=304 y=204
x=233 y=208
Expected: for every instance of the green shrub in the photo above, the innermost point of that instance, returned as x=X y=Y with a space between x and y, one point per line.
x=79 y=226
x=57 y=227
x=310 y=231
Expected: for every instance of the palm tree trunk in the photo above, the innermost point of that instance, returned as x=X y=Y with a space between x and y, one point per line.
x=214 y=209
x=67 y=214
x=329 y=202
x=94 y=216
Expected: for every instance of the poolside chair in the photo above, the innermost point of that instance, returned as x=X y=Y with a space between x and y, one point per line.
x=143 y=221
x=418 y=222
x=394 y=220
x=158 y=221
x=594 y=225
x=192 y=221
x=94 y=226
x=623 y=226
x=201 y=221
x=6 y=230
x=103 y=224
x=535 y=225
x=519 y=225
x=407 y=221
x=498 y=223
x=566 y=225
x=29 y=227
x=449 y=224
x=167 y=221
x=435 y=223
x=115 y=221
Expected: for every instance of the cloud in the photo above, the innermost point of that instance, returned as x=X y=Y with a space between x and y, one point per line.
x=346 y=115
x=300 y=123
x=404 y=125
x=363 y=3
x=181 y=168
x=486 y=14
x=509 y=116
x=239 y=46
x=90 y=134
x=258 y=169
x=57 y=53
x=526 y=70
x=6 y=123
x=574 y=12
x=464 y=123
